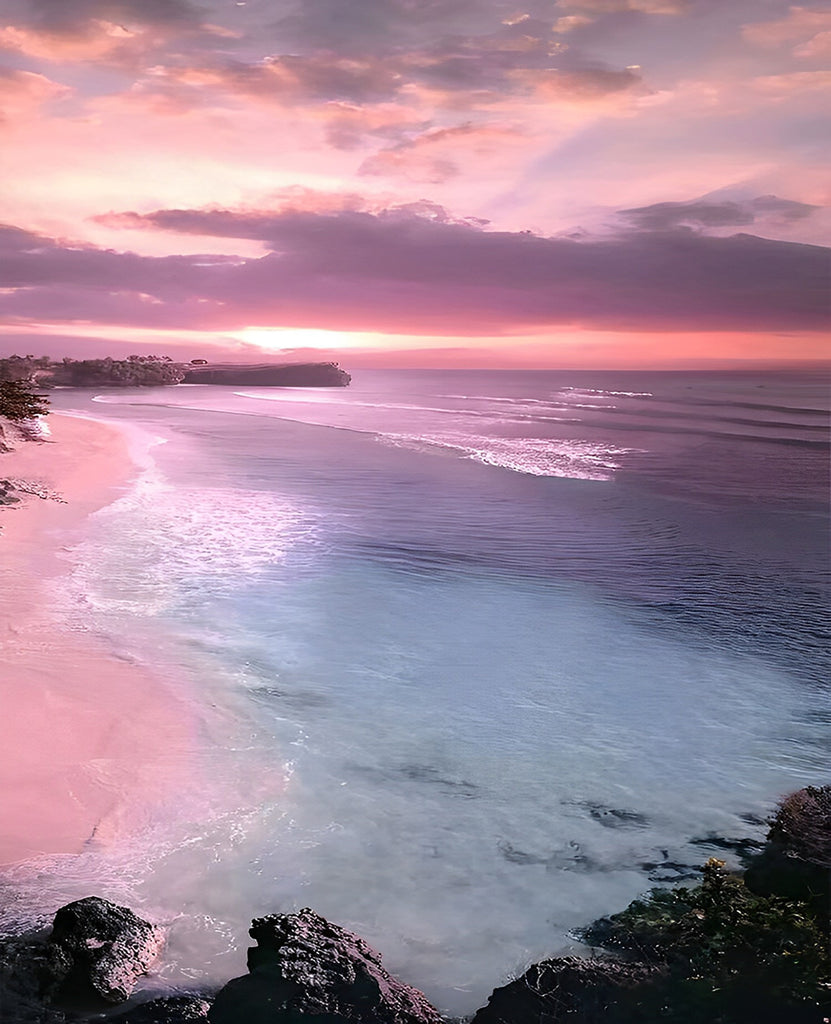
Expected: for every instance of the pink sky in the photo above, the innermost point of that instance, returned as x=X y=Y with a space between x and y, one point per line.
x=416 y=182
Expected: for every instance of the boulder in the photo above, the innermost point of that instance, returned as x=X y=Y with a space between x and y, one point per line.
x=108 y=948
x=574 y=989
x=31 y=973
x=305 y=970
x=169 y=1010
x=796 y=862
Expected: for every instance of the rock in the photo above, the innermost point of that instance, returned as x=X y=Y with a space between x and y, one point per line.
x=170 y=1010
x=796 y=862
x=305 y=970
x=31 y=973
x=573 y=989
x=108 y=946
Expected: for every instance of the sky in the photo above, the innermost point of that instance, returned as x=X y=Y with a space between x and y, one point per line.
x=598 y=183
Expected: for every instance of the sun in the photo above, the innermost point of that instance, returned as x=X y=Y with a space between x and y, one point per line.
x=276 y=339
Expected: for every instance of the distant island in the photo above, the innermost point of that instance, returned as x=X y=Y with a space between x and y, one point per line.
x=155 y=371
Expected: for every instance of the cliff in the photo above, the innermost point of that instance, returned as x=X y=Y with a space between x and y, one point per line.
x=270 y=375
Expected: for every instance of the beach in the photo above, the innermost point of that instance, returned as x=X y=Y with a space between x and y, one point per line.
x=462 y=662
x=89 y=741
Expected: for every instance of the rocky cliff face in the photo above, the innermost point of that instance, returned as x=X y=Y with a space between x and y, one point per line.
x=272 y=375
x=306 y=969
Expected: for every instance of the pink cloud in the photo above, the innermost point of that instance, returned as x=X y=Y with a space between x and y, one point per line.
x=436 y=155
x=615 y=6
x=792 y=84
x=23 y=92
x=806 y=30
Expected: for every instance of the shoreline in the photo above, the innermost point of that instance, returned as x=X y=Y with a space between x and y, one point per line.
x=90 y=742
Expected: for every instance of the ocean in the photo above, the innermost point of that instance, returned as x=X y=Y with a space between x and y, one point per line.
x=476 y=656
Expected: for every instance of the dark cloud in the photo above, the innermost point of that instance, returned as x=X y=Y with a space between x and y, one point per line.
x=413 y=270
x=313 y=78
x=787 y=209
x=384 y=26
x=72 y=17
x=703 y=213
x=465 y=69
x=362 y=52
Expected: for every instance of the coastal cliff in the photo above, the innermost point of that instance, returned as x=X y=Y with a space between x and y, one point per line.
x=19 y=374
x=273 y=375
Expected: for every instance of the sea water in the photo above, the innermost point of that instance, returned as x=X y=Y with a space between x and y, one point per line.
x=476 y=656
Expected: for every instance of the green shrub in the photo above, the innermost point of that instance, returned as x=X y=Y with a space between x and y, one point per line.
x=733 y=956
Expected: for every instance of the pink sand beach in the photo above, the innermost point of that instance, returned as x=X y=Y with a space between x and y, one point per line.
x=86 y=740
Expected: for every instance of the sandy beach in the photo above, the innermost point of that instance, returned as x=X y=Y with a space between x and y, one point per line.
x=88 y=742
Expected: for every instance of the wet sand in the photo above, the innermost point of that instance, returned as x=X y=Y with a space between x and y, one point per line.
x=89 y=742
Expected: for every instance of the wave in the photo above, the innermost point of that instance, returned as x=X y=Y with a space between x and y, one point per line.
x=613 y=394
x=534 y=456
x=795 y=410
x=158 y=547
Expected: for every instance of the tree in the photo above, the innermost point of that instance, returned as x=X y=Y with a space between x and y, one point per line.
x=134 y=371
x=22 y=367
x=18 y=402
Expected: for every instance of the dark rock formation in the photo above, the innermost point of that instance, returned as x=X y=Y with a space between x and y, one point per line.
x=92 y=958
x=31 y=973
x=796 y=862
x=8 y=491
x=170 y=1010
x=305 y=970
x=109 y=948
x=573 y=989
x=277 y=375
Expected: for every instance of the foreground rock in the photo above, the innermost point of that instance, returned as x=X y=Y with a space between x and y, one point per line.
x=109 y=948
x=573 y=990
x=305 y=970
x=171 y=1010
x=31 y=974
x=93 y=957
x=796 y=862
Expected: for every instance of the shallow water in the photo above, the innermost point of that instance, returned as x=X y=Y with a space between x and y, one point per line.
x=473 y=654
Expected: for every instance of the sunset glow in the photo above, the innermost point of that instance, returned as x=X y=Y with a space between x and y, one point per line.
x=622 y=183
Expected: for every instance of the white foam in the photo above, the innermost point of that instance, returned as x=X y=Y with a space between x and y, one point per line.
x=613 y=394
x=152 y=549
x=535 y=456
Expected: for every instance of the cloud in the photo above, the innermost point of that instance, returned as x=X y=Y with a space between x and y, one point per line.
x=383 y=26
x=418 y=270
x=791 y=85
x=127 y=34
x=429 y=156
x=616 y=6
x=704 y=213
x=807 y=31
x=474 y=71
x=290 y=79
x=76 y=17
x=22 y=92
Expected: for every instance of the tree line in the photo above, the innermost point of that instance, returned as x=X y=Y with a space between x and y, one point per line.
x=134 y=371
x=22 y=376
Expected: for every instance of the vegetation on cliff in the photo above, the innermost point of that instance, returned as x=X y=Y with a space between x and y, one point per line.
x=18 y=402
x=134 y=371
x=729 y=956
x=154 y=371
